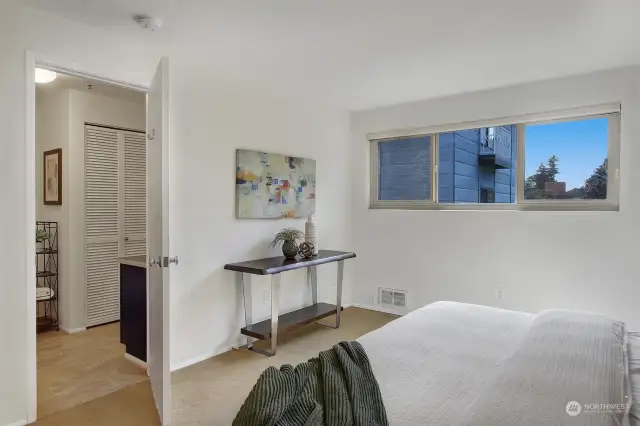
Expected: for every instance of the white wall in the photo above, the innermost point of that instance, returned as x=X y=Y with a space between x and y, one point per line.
x=60 y=118
x=205 y=320
x=52 y=132
x=208 y=121
x=576 y=260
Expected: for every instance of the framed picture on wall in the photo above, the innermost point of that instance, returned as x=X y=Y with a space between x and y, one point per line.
x=270 y=186
x=52 y=173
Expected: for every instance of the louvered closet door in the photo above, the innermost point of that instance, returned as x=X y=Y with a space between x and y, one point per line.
x=135 y=194
x=102 y=224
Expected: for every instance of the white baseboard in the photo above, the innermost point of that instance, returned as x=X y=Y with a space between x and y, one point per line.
x=19 y=423
x=135 y=360
x=73 y=330
x=379 y=308
x=180 y=365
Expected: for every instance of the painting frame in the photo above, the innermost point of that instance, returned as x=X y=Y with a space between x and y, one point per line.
x=273 y=185
x=52 y=177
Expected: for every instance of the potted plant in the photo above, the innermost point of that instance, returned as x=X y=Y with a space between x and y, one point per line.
x=288 y=238
x=41 y=237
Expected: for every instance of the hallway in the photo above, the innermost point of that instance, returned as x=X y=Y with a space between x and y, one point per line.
x=77 y=368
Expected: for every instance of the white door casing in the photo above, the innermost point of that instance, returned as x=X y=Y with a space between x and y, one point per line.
x=66 y=66
x=158 y=238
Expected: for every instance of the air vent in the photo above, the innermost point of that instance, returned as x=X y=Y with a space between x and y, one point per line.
x=391 y=297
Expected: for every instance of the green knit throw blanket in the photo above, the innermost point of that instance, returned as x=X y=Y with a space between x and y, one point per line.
x=337 y=388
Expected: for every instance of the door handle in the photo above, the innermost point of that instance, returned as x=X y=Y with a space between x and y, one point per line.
x=163 y=262
x=126 y=238
x=166 y=261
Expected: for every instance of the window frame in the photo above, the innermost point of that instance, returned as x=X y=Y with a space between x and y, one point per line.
x=612 y=111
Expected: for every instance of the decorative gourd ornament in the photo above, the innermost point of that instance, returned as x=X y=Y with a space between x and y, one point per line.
x=306 y=250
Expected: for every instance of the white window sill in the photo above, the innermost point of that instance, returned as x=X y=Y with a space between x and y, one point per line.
x=554 y=206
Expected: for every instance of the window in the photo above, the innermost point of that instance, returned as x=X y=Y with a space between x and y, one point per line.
x=566 y=160
x=477 y=165
x=405 y=169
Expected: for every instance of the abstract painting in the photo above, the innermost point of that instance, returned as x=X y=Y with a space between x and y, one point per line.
x=52 y=177
x=274 y=186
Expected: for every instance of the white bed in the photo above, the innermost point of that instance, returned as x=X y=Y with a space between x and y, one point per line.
x=454 y=364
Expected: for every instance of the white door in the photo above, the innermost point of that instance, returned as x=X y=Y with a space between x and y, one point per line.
x=116 y=215
x=158 y=238
x=135 y=193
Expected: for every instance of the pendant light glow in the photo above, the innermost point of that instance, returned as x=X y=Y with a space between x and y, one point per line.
x=45 y=76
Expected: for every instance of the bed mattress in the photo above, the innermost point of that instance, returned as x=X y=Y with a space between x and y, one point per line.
x=454 y=364
x=432 y=363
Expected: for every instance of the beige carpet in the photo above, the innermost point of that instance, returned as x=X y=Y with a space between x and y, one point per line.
x=76 y=368
x=131 y=406
x=211 y=392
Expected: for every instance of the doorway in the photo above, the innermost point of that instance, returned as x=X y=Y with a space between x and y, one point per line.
x=90 y=211
x=76 y=193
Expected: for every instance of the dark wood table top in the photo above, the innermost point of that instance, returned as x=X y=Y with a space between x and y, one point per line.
x=275 y=265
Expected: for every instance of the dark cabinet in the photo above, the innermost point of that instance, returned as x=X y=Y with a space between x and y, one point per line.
x=133 y=309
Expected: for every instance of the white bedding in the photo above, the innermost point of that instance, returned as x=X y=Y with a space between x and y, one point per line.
x=563 y=357
x=431 y=364
x=452 y=364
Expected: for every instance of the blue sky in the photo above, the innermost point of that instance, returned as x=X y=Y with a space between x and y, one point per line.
x=580 y=146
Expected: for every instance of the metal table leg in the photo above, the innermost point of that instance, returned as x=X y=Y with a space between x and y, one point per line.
x=312 y=281
x=245 y=280
x=275 y=301
x=338 y=295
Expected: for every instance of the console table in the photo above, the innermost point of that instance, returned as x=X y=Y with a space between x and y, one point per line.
x=274 y=266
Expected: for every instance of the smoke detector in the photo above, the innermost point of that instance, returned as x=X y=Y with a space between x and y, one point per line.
x=147 y=22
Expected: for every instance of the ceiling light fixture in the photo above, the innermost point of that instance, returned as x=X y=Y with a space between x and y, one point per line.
x=45 y=76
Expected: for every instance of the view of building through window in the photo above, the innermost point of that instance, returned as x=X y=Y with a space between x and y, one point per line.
x=477 y=165
x=405 y=169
